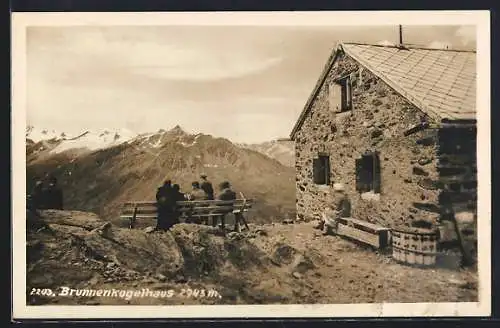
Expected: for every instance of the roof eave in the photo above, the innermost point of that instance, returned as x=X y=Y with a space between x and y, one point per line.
x=331 y=60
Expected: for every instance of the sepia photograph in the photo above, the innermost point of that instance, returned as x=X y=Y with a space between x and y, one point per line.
x=237 y=164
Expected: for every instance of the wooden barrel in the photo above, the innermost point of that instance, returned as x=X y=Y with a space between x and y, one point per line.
x=414 y=246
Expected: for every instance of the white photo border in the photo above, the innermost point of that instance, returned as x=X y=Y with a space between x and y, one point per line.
x=20 y=21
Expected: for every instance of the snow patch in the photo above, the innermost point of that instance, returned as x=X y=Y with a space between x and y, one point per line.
x=157 y=144
x=93 y=140
x=187 y=144
x=145 y=139
x=38 y=135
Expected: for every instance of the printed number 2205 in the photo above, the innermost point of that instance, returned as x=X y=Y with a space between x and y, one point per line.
x=42 y=292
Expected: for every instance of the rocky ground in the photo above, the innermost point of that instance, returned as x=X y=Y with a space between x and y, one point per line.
x=273 y=263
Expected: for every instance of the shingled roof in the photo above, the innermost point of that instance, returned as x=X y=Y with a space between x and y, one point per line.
x=441 y=83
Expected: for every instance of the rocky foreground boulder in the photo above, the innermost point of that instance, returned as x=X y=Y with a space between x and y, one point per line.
x=77 y=249
x=273 y=263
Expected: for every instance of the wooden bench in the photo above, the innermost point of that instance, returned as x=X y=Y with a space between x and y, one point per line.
x=195 y=211
x=365 y=232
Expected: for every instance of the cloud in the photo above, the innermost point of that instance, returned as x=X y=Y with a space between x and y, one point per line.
x=170 y=57
x=467 y=34
x=145 y=78
x=209 y=69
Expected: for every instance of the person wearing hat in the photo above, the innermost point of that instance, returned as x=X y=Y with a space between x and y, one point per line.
x=207 y=187
x=341 y=209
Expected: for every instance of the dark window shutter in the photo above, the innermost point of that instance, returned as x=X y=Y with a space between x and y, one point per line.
x=346 y=98
x=344 y=95
x=348 y=94
x=367 y=172
x=326 y=160
x=359 y=177
x=377 y=184
x=318 y=171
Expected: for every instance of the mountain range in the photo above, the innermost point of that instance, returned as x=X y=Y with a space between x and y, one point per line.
x=53 y=142
x=282 y=150
x=99 y=170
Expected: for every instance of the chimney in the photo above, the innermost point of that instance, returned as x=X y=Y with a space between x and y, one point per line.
x=400 y=36
x=401 y=45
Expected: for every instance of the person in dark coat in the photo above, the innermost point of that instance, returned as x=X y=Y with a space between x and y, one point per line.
x=166 y=206
x=53 y=195
x=178 y=196
x=225 y=194
x=36 y=197
x=207 y=187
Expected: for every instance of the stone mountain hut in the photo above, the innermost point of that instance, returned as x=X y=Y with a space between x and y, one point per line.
x=397 y=126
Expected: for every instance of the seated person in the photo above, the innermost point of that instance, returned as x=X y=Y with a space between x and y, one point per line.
x=341 y=209
x=226 y=194
x=196 y=192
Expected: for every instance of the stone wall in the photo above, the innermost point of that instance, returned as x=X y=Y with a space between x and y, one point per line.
x=377 y=122
x=457 y=167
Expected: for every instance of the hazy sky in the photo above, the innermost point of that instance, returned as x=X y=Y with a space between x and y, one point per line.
x=247 y=84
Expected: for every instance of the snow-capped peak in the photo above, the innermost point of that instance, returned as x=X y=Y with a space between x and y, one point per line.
x=36 y=134
x=177 y=131
x=87 y=139
x=280 y=149
x=159 y=138
x=94 y=140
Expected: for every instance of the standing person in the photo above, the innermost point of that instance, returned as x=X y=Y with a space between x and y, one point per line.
x=53 y=195
x=207 y=187
x=225 y=194
x=341 y=209
x=37 y=196
x=164 y=201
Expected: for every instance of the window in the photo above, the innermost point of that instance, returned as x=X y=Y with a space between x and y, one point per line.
x=346 y=94
x=340 y=95
x=368 y=173
x=334 y=97
x=321 y=170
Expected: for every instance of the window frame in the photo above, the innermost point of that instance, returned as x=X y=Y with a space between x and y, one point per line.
x=375 y=183
x=346 y=83
x=346 y=97
x=324 y=160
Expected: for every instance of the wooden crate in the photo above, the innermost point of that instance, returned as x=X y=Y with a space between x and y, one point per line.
x=365 y=232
